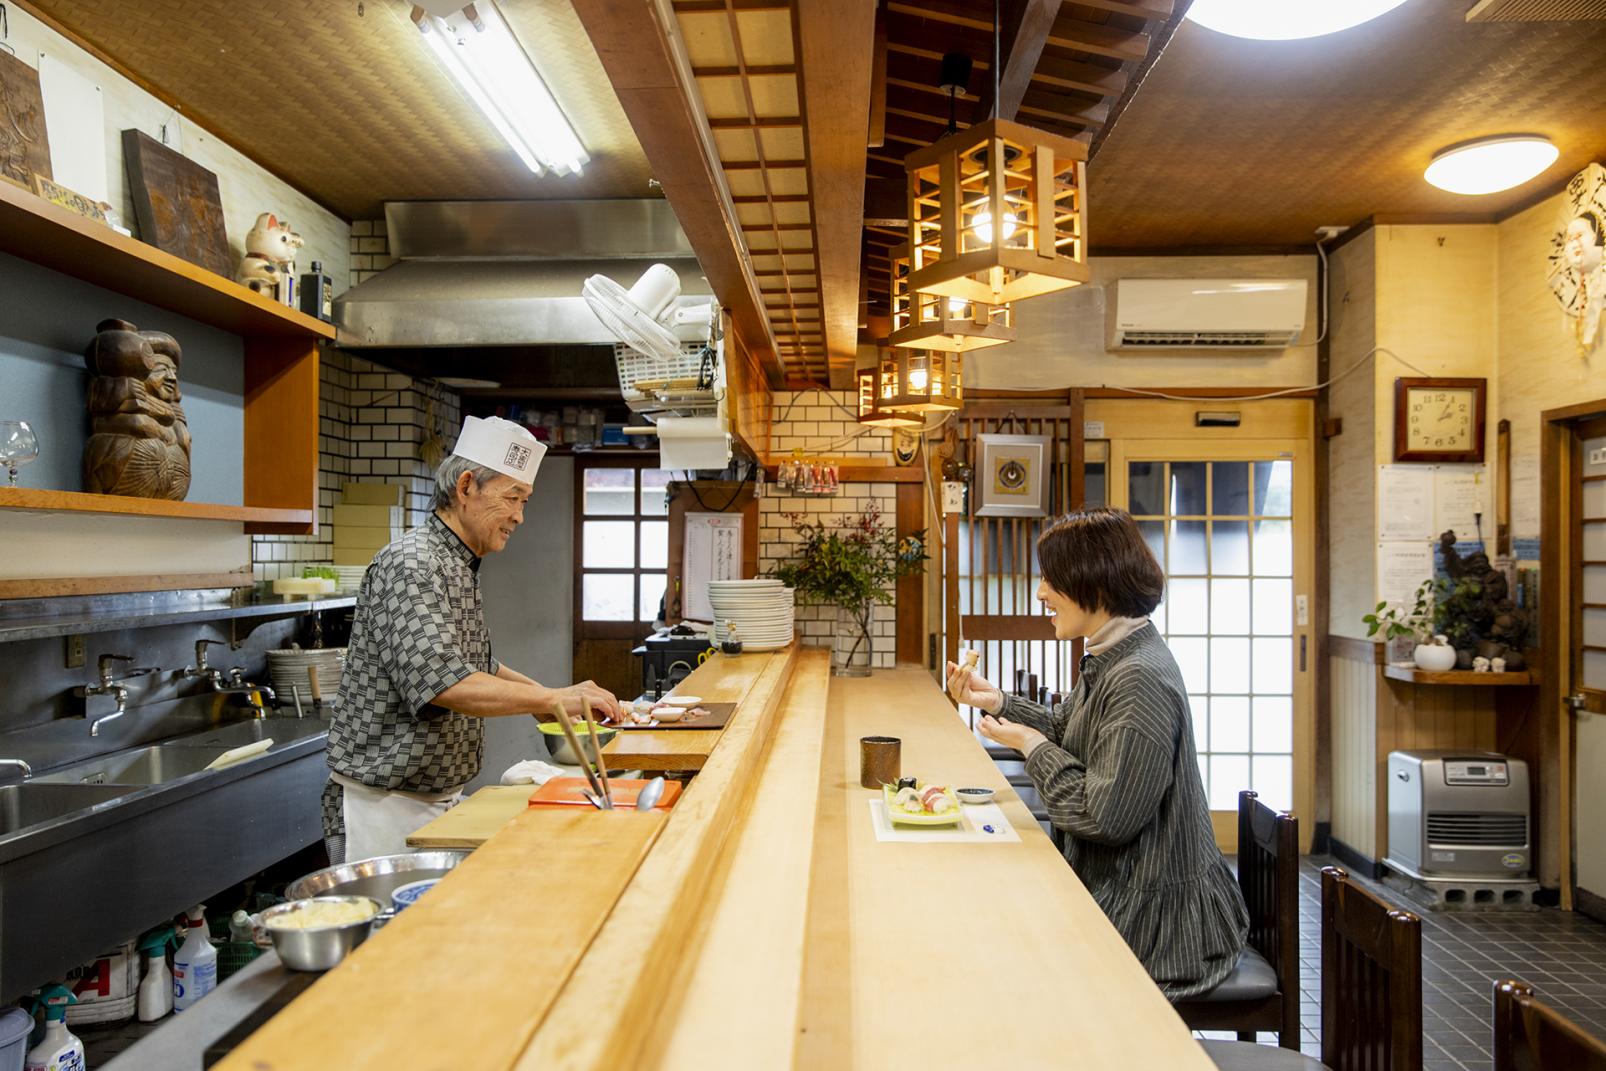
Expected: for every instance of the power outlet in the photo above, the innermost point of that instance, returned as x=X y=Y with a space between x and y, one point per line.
x=1597 y=456
x=74 y=649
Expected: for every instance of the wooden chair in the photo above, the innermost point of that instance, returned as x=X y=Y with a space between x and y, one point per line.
x=1262 y=992
x=1371 y=990
x=1529 y=1035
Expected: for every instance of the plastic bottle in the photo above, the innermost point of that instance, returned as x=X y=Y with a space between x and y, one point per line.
x=60 y=1050
x=156 y=989
x=241 y=927
x=195 y=962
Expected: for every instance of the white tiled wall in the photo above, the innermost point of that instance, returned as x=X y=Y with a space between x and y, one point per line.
x=370 y=249
x=372 y=426
x=809 y=421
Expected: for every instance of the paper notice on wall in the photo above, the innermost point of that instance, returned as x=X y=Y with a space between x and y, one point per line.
x=1524 y=500
x=1405 y=502
x=713 y=551
x=1401 y=568
x=1459 y=505
x=76 y=126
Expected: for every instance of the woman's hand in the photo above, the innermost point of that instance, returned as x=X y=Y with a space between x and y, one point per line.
x=965 y=686
x=1023 y=738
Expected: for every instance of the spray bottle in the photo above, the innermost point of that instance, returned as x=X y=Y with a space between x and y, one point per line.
x=156 y=990
x=195 y=962
x=60 y=1050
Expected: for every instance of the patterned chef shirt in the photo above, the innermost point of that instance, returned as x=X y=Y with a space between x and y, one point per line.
x=419 y=629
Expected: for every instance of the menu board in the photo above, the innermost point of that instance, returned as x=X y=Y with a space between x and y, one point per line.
x=713 y=552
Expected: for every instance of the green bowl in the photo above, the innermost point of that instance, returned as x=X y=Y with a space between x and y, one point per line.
x=563 y=754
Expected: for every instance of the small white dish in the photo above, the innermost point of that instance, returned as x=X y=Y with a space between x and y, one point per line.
x=975 y=795
x=668 y=714
x=685 y=701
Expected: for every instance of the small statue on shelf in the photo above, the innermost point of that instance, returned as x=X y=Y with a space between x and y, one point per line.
x=1477 y=611
x=140 y=442
x=270 y=255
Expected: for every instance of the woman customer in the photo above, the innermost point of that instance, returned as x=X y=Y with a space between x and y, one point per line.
x=1115 y=763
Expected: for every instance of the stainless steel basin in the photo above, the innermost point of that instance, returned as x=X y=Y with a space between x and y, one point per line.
x=143 y=766
x=33 y=804
x=279 y=730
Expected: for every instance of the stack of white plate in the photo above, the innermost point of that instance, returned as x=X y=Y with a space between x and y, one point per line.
x=286 y=668
x=760 y=609
x=350 y=576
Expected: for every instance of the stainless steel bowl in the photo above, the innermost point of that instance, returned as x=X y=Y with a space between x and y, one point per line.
x=564 y=755
x=377 y=877
x=320 y=948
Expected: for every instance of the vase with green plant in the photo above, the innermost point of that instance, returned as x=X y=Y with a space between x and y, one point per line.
x=1417 y=621
x=852 y=564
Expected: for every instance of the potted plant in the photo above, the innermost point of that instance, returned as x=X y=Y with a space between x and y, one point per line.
x=1433 y=651
x=850 y=564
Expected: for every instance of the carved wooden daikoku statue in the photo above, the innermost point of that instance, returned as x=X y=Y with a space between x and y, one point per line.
x=140 y=443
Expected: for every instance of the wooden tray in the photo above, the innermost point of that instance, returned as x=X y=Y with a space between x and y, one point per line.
x=718 y=716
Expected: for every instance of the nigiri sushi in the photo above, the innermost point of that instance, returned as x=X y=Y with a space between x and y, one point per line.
x=934 y=798
x=908 y=799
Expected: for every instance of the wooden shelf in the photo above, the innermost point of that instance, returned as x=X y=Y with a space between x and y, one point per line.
x=1412 y=675
x=76 y=501
x=34 y=229
x=46 y=627
x=858 y=473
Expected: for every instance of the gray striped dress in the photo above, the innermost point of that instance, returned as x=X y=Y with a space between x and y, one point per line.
x=1120 y=776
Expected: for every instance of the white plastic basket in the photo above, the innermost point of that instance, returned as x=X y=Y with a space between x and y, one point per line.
x=636 y=369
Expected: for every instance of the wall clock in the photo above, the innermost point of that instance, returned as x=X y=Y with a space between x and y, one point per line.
x=1578 y=254
x=1439 y=419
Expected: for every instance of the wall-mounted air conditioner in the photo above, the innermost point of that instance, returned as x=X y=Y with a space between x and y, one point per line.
x=1147 y=314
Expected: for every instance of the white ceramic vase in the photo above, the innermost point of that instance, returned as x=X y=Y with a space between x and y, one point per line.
x=1435 y=658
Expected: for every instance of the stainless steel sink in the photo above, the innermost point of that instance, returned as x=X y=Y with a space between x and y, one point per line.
x=33 y=804
x=279 y=730
x=143 y=766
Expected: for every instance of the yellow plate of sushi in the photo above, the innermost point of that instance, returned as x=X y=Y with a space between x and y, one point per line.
x=937 y=805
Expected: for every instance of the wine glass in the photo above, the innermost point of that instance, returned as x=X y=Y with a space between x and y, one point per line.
x=18 y=446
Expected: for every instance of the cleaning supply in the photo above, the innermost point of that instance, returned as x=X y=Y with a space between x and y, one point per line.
x=105 y=990
x=195 y=962
x=60 y=1051
x=156 y=991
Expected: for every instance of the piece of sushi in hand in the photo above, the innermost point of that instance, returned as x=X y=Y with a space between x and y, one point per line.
x=908 y=799
x=971 y=657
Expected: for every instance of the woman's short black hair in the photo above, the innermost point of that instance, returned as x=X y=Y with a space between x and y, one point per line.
x=1098 y=559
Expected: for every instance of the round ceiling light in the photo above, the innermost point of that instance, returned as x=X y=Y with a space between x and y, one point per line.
x=1489 y=165
x=1286 y=20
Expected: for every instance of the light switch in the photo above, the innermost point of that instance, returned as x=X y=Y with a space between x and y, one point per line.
x=953 y=496
x=1597 y=456
x=1302 y=610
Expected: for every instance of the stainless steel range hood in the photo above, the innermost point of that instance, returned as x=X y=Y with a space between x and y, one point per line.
x=508 y=273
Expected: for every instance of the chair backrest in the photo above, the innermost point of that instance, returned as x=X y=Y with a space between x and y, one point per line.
x=1529 y=1035
x=1371 y=980
x=1268 y=875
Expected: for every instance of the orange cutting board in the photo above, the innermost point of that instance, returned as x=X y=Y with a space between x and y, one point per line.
x=570 y=791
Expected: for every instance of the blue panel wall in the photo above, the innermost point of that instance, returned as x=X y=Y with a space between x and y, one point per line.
x=47 y=319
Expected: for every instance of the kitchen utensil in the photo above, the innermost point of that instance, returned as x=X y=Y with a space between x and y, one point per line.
x=377 y=877
x=880 y=758
x=312 y=683
x=682 y=700
x=975 y=795
x=240 y=754
x=319 y=948
x=718 y=716
x=650 y=795
x=591 y=798
x=408 y=894
x=596 y=749
x=558 y=745
x=295 y=694
x=571 y=792
x=574 y=745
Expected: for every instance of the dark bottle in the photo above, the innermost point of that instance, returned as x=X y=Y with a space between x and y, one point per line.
x=316 y=294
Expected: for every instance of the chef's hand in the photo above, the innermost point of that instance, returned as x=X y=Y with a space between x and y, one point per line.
x=600 y=700
x=965 y=685
x=1023 y=738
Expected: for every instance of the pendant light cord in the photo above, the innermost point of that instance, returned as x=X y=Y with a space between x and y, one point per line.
x=997 y=37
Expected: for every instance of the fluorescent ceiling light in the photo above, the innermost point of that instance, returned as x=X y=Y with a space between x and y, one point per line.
x=485 y=60
x=1489 y=165
x=1286 y=20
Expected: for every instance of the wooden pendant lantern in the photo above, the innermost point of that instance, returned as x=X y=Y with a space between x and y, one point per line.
x=935 y=322
x=870 y=411
x=921 y=381
x=1039 y=194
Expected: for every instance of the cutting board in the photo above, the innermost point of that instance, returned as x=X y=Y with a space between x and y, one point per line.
x=475 y=820
x=718 y=715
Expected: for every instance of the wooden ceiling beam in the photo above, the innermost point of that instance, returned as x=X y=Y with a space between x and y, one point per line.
x=762 y=165
x=1024 y=30
x=835 y=48
x=1047 y=109
x=653 y=82
x=737 y=72
x=1147 y=10
x=1072 y=34
x=1060 y=73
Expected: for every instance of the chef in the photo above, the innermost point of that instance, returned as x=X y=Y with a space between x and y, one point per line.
x=419 y=676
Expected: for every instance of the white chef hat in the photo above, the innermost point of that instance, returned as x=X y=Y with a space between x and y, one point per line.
x=502 y=446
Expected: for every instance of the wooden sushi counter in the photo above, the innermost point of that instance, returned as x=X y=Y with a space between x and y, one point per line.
x=759 y=924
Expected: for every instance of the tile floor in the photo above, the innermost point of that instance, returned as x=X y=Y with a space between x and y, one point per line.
x=1561 y=954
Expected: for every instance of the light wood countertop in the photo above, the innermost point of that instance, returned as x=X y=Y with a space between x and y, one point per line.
x=719 y=680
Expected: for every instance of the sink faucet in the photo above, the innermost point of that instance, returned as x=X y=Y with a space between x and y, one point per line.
x=27 y=771
x=238 y=685
x=106 y=686
x=201 y=670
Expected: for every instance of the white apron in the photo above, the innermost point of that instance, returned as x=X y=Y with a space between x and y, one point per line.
x=379 y=820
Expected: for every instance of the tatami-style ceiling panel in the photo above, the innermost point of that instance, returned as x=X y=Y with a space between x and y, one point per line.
x=341 y=99
x=1238 y=143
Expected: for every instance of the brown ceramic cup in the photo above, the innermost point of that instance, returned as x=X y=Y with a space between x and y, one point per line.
x=879 y=760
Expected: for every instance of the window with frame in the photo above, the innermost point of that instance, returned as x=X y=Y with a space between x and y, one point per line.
x=621 y=541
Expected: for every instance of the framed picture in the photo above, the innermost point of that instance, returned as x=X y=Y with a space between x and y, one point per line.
x=58 y=194
x=1013 y=475
x=1439 y=419
x=176 y=204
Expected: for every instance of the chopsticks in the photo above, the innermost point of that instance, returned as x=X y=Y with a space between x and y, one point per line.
x=596 y=747
x=574 y=745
